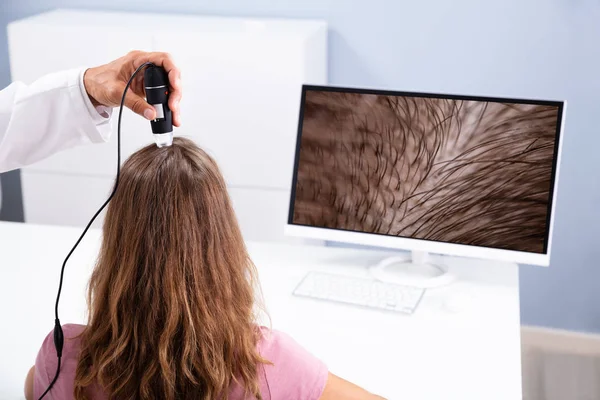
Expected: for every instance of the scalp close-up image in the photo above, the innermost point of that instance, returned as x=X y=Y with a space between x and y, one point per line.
x=459 y=171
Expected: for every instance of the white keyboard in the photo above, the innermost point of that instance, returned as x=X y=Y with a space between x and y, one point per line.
x=360 y=292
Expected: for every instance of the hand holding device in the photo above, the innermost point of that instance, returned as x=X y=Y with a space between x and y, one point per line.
x=105 y=84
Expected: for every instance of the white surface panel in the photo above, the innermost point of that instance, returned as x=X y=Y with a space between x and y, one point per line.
x=261 y=213
x=70 y=200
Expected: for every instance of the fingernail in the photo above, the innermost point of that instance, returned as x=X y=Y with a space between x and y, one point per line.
x=148 y=114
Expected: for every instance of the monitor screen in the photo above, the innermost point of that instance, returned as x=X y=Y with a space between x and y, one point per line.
x=452 y=169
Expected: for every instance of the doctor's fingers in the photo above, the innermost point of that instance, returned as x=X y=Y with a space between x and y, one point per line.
x=138 y=105
x=160 y=59
x=175 y=96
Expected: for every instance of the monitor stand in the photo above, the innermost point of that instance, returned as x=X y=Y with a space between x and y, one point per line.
x=415 y=270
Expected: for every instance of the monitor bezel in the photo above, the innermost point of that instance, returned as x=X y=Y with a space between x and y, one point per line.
x=425 y=245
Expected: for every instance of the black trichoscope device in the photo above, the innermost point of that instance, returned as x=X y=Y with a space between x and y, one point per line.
x=156 y=85
x=157 y=89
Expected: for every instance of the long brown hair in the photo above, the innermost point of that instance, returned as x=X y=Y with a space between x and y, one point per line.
x=171 y=299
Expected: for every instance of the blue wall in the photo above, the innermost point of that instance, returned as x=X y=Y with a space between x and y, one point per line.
x=508 y=48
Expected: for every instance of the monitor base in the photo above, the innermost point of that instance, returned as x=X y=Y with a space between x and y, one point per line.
x=415 y=270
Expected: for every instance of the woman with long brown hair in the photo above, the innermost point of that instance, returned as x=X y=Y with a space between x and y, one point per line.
x=172 y=311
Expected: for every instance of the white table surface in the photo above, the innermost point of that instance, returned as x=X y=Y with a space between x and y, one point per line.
x=462 y=343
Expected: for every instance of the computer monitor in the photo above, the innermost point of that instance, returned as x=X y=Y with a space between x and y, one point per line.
x=463 y=176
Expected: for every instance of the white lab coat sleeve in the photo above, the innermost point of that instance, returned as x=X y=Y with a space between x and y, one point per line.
x=53 y=113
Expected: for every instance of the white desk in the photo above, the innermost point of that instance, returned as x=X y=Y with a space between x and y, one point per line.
x=473 y=354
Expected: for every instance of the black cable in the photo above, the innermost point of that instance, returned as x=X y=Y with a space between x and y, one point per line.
x=58 y=333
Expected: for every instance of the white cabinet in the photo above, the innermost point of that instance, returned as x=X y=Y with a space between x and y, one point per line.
x=242 y=81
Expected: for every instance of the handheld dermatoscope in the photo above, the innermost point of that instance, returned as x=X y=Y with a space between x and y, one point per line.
x=156 y=85
x=157 y=89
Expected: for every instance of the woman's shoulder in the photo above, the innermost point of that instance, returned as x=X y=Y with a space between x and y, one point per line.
x=275 y=342
x=71 y=345
x=293 y=371
x=72 y=330
x=47 y=362
x=71 y=334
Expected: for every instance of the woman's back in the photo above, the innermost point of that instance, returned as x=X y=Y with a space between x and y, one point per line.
x=293 y=374
x=172 y=312
x=172 y=295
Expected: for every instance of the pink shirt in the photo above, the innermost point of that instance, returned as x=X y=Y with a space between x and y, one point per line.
x=294 y=375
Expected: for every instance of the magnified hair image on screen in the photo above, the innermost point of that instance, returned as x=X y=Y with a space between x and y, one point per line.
x=427 y=168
